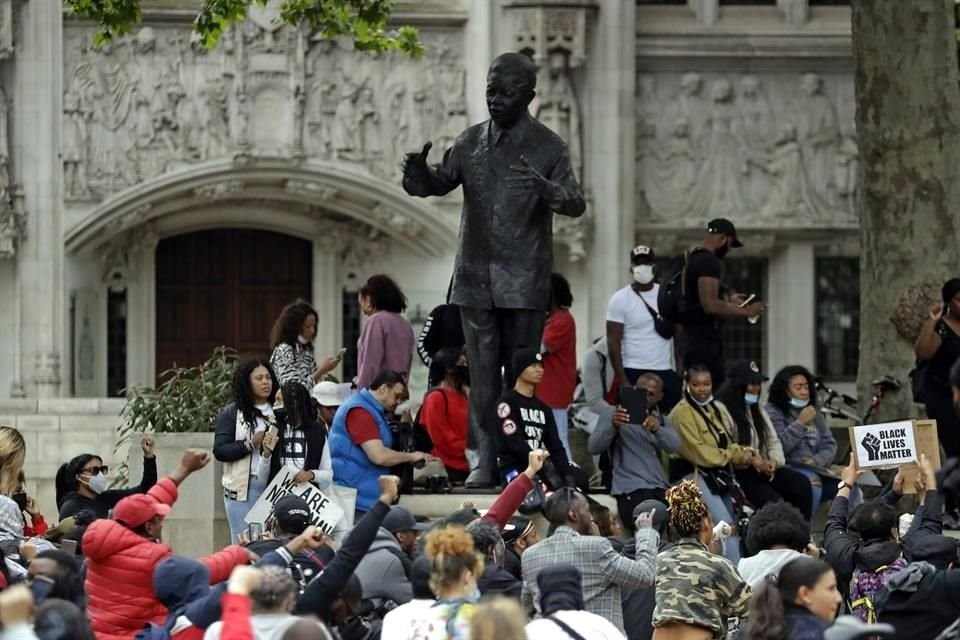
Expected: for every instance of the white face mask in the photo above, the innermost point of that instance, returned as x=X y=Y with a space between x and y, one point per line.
x=97 y=483
x=643 y=273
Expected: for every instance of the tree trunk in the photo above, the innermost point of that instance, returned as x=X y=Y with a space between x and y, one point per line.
x=908 y=129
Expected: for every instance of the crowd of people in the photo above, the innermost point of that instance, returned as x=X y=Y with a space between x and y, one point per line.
x=716 y=480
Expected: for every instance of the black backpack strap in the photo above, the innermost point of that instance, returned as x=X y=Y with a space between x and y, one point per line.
x=566 y=628
x=653 y=313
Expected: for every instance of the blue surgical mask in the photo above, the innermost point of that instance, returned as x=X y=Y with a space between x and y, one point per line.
x=751 y=398
x=705 y=402
x=797 y=403
x=97 y=483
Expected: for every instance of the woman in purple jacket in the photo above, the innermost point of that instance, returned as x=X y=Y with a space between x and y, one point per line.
x=387 y=339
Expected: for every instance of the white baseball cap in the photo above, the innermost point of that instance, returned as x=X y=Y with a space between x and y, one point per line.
x=327 y=394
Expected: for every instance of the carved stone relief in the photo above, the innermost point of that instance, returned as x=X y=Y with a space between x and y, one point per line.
x=765 y=150
x=156 y=101
x=13 y=230
x=6 y=29
x=220 y=190
x=574 y=234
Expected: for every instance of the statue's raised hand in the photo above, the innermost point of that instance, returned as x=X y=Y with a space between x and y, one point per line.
x=417 y=161
x=416 y=173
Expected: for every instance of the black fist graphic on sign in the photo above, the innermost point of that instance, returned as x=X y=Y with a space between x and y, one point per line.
x=871 y=443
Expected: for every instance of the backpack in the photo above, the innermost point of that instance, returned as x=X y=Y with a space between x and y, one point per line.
x=865 y=585
x=672 y=297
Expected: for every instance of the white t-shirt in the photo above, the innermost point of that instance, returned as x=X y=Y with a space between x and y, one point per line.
x=397 y=623
x=643 y=347
x=589 y=625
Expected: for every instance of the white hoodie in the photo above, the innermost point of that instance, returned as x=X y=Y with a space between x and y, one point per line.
x=755 y=569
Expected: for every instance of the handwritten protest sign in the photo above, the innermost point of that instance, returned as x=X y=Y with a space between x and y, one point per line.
x=325 y=511
x=928 y=444
x=889 y=444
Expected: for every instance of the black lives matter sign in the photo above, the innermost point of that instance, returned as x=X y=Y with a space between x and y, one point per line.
x=885 y=445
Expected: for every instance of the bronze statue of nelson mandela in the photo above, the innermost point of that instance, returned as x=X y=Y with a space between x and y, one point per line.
x=515 y=173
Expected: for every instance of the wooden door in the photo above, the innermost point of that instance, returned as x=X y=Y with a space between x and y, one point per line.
x=225 y=287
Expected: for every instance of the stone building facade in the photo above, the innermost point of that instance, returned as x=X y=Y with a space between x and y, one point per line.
x=160 y=199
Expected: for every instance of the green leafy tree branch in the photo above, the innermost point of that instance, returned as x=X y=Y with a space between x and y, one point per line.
x=365 y=21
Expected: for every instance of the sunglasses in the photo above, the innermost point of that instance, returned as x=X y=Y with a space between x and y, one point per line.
x=95 y=470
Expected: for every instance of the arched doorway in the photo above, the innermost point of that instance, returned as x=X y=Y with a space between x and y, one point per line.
x=225 y=287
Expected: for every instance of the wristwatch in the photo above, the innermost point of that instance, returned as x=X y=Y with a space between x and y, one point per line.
x=843 y=485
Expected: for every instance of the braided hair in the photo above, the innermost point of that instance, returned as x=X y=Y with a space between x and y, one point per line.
x=687 y=509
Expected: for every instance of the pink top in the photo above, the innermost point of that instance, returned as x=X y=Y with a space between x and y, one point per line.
x=386 y=343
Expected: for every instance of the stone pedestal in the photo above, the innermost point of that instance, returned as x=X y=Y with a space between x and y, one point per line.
x=197 y=525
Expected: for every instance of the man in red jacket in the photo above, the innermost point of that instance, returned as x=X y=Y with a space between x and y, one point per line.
x=122 y=553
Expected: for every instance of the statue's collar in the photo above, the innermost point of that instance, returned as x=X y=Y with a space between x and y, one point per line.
x=517 y=133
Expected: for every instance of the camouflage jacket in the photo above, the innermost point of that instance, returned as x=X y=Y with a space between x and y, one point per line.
x=699 y=588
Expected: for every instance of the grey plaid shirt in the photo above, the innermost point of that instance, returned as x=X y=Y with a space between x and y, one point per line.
x=603 y=570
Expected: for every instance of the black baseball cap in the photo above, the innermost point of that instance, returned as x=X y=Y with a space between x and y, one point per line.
x=746 y=371
x=725 y=227
x=642 y=254
x=400 y=519
x=660 y=516
x=292 y=514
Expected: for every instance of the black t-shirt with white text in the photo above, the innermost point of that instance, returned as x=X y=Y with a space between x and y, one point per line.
x=525 y=424
x=700 y=264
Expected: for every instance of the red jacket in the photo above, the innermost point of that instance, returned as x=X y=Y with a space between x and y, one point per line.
x=120 y=567
x=559 y=361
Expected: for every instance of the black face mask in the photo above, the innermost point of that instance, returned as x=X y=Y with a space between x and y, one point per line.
x=21 y=499
x=462 y=373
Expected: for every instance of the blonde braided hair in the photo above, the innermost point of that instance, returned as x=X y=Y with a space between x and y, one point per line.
x=687 y=508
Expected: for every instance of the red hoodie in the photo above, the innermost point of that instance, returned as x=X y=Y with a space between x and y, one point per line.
x=560 y=360
x=120 y=567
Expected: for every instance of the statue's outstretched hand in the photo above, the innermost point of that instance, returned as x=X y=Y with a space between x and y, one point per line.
x=416 y=162
x=525 y=179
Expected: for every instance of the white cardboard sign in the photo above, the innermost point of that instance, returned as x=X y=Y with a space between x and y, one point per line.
x=890 y=444
x=325 y=512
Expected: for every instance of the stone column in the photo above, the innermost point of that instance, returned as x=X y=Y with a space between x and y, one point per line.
x=142 y=311
x=37 y=112
x=327 y=296
x=792 y=314
x=796 y=12
x=478 y=51
x=707 y=11
x=609 y=152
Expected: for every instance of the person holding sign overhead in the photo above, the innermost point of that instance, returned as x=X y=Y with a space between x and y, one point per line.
x=863 y=547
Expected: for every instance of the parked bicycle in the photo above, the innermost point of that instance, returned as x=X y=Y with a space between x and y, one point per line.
x=881 y=387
